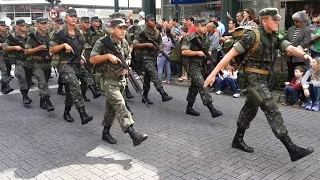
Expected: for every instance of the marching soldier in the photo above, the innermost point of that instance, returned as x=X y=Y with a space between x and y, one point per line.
x=149 y=58
x=107 y=64
x=96 y=23
x=42 y=59
x=68 y=43
x=5 y=79
x=196 y=61
x=15 y=48
x=257 y=73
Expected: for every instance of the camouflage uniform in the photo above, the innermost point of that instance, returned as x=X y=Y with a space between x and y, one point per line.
x=257 y=73
x=5 y=79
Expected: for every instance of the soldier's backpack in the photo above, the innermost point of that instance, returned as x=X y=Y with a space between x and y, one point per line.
x=237 y=35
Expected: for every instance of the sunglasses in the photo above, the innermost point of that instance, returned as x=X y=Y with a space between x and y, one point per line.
x=296 y=21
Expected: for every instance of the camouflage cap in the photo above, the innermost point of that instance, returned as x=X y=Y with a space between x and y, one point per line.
x=201 y=21
x=59 y=21
x=273 y=12
x=117 y=22
x=71 y=12
x=21 y=22
x=150 y=17
x=117 y=15
x=85 y=19
x=41 y=20
x=2 y=23
x=95 y=18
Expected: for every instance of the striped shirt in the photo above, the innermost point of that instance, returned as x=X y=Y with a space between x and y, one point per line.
x=295 y=34
x=176 y=30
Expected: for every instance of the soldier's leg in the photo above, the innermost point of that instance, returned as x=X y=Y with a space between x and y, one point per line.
x=274 y=117
x=88 y=78
x=44 y=92
x=20 y=73
x=47 y=73
x=68 y=103
x=151 y=70
x=191 y=98
x=5 y=79
x=146 y=88
x=9 y=67
x=128 y=94
x=83 y=87
x=60 y=86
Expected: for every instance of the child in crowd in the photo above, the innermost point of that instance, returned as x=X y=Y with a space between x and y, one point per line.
x=312 y=88
x=229 y=78
x=293 y=89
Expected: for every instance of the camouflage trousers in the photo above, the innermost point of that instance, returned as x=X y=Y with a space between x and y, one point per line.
x=85 y=77
x=267 y=105
x=3 y=68
x=24 y=75
x=72 y=87
x=197 y=80
x=151 y=74
x=115 y=104
x=42 y=72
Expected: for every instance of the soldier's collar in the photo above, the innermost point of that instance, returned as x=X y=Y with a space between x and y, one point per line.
x=113 y=41
x=65 y=31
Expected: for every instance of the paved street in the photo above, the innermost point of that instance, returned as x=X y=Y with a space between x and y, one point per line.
x=36 y=144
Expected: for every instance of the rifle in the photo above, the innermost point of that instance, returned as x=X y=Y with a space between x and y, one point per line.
x=16 y=42
x=33 y=37
x=150 y=40
x=112 y=50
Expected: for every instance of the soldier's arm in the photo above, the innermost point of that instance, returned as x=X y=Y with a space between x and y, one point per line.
x=7 y=47
x=55 y=45
x=136 y=41
x=185 y=48
x=285 y=46
x=127 y=52
x=96 y=55
x=29 y=49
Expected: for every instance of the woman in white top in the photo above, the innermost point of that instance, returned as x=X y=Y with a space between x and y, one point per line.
x=248 y=19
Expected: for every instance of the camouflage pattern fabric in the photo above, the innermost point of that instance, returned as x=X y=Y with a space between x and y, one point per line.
x=24 y=76
x=3 y=67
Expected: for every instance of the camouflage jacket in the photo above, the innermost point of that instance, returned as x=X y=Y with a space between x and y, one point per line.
x=147 y=53
x=2 y=40
x=265 y=55
x=16 y=54
x=107 y=67
x=31 y=43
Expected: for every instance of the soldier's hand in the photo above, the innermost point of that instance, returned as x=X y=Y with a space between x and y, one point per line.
x=42 y=47
x=82 y=61
x=68 y=48
x=200 y=54
x=124 y=72
x=114 y=59
x=209 y=81
x=18 y=48
x=308 y=57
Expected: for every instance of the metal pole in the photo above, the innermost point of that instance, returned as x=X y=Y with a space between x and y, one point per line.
x=116 y=5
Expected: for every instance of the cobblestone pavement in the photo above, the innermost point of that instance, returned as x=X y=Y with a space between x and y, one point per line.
x=36 y=144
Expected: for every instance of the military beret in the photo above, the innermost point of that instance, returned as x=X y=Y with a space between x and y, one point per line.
x=41 y=20
x=85 y=19
x=71 y=12
x=59 y=21
x=117 y=15
x=117 y=22
x=273 y=12
x=95 y=18
x=21 y=22
x=150 y=17
x=2 y=23
x=201 y=21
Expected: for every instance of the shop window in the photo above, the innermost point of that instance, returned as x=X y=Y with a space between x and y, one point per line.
x=10 y=15
x=22 y=8
x=37 y=8
x=34 y=16
x=22 y=15
x=7 y=8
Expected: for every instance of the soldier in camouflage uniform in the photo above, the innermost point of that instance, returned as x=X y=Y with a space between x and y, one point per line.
x=148 y=55
x=5 y=79
x=96 y=23
x=68 y=43
x=42 y=61
x=86 y=77
x=114 y=84
x=23 y=69
x=256 y=71
x=196 y=63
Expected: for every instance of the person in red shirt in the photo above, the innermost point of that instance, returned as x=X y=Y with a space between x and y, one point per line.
x=192 y=27
x=293 y=89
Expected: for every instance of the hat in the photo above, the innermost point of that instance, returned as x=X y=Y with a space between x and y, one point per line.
x=117 y=22
x=149 y=17
x=21 y=22
x=2 y=23
x=71 y=12
x=95 y=18
x=273 y=12
x=85 y=19
x=41 y=20
x=116 y=15
x=142 y=14
x=201 y=21
x=59 y=21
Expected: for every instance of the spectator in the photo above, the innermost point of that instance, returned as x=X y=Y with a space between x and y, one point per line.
x=141 y=18
x=190 y=25
x=135 y=22
x=308 y=21
x=214 y=36
x=312 y=88
x=229 y=78
x=299 y=35
x=228 y=34
x=248 y=18
x=293 y=89
x=215 y=18
x=176 y=27
x=183 y=33
x=162 y=63
x=239 y=18
x=315 y=38
x=184 y=22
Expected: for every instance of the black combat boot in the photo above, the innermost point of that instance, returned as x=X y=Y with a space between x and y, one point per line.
x=239 y=143
x=85 y=118
x=106 y=136
x=85 y=98
x=26 y=99
x=43 y=103
x=165 y=96
x=128 y=108
x=136 y=137
x=94 y=91
x=5 y=88
x=146 y=99
x=128 y=93
x=66 y=114
x=295 y=151
x=191 y=111
x=48 y=103
x=60 y=91
x=214 y=111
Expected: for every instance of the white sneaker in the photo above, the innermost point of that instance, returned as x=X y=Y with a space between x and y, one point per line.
x=219 y=92
x=236 y=95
